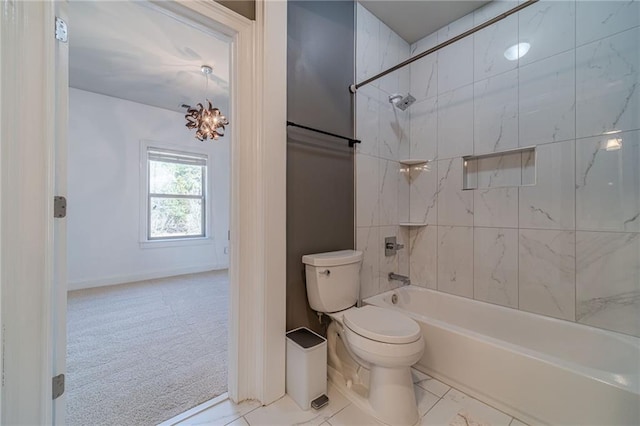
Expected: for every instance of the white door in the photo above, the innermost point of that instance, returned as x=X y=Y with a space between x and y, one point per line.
x=34 y=69
x=30 y=331
x=59 y=311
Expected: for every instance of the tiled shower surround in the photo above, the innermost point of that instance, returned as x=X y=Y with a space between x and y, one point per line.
x=567 y=246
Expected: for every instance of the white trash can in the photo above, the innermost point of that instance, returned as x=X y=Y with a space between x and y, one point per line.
x=306 y=367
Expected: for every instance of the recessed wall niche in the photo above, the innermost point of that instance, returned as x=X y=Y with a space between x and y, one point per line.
x=500 y=169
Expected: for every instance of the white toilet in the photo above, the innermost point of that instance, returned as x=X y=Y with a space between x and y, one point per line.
x=385 y=342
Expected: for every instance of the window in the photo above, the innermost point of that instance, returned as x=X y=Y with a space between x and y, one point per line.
x=176 y=188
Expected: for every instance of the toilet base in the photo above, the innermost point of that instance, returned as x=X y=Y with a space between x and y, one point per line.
x=386 y=393
x=359 y=395
x=392 y=397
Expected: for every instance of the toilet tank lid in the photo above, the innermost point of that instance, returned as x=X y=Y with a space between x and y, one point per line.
x=332 y=258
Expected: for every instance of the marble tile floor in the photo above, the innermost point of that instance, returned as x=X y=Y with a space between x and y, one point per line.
x=438 y=404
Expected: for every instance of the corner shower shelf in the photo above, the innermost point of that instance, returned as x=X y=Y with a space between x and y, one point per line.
x=412 y=224
x=413 y=161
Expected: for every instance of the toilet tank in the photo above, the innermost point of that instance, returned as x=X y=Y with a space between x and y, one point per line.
x=333 y=279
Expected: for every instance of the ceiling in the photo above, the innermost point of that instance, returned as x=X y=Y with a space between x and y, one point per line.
x=415 y=19
x=131 y=51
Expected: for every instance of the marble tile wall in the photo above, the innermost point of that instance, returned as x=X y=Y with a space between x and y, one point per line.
x=384 y=131
x=569 y=245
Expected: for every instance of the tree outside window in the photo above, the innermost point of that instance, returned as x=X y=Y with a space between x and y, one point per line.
x=176 y=194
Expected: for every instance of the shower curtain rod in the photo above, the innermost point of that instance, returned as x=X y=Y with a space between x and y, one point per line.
x=354 y=87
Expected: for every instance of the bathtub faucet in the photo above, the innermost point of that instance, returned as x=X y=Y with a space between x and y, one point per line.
x=403 y=279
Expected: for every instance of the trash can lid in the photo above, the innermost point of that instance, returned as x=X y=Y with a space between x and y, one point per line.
x=305 y=337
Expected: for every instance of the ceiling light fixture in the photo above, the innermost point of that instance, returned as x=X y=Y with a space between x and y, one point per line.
x=208 y=120
x=517 y=51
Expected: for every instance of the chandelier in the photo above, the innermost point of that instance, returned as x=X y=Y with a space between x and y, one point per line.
x=208 y=121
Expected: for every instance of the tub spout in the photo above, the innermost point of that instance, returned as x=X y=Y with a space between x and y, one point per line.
x=397 y=277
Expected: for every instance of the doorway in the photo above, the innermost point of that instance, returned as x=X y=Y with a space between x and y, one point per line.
x=34 y=278
x=147 y=237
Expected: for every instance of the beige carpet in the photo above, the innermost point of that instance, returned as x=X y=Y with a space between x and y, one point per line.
x=141 y=353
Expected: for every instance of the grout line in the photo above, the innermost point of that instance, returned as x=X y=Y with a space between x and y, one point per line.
x=601 y=38
x=432 y=407
x=243 y=415
x=579 y=230
x=339 y=411
x=235 y=419
x=259 y=406
x=427 y=390
x=473 y=149
x=471 y=397
x=575 y=154
x=518 y=191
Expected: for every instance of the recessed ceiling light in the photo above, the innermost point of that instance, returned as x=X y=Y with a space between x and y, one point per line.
x=517 y=51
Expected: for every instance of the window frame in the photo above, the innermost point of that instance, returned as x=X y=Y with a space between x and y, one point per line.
x=146 y=241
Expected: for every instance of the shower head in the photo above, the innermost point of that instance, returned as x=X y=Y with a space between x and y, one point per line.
x=402 y=102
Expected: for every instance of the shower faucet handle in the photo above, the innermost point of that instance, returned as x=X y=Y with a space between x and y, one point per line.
x=391 y=246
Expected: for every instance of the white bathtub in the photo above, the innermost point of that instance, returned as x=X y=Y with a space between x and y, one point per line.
x=535 y=368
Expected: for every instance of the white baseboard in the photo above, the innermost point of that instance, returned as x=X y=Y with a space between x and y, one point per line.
x=122 y=279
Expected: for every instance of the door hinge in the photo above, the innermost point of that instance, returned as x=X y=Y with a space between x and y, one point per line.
x=57 y=385
x=59 y=206
x=61 y=30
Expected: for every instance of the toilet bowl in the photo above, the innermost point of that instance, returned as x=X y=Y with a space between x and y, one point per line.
x=388 y=344
x=383 y=337
x=385 y=342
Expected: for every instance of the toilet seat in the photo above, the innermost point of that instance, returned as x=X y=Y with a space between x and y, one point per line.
x=382 y=325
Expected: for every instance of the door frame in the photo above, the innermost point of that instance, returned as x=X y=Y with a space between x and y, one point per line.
x=27 y=181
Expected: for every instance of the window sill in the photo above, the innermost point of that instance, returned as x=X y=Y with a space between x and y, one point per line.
x=178 y=242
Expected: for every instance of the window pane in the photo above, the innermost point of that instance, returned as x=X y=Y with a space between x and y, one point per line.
x=175 y=217
x=175 y=178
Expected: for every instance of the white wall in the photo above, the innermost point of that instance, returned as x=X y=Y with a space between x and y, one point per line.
x=104 y=244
